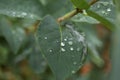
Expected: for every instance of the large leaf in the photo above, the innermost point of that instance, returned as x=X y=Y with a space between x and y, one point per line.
x=36 y=60
x=14 y=36
x=58 y=8
x=32 y=53
x=64 y=48
x=21 y=8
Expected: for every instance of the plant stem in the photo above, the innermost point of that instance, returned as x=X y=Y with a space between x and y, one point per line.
x=69 y=15
x=73 y=13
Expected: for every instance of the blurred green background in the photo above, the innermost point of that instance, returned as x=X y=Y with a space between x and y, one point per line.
x=21 y=58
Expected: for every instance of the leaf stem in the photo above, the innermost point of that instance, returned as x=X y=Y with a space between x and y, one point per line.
x=73 y=13
x=69 y=15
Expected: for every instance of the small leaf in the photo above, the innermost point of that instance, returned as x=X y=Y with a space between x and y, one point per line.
x=64 y=48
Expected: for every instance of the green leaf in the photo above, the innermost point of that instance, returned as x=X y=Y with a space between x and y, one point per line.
x=84 y=18
x=80 y=4
x=32 y=53
x=15 y=36
x=63 y=47
x=36 y=60
x=21 y=8
x=103 y=20
x=104 y=11
x=58 y=8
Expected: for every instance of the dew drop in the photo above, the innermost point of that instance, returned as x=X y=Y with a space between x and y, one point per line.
x=62 y=44
x=108 y=9
x=45 y=37
x=50 y=50
x=74 y=63
x=70 y=43
x=71 y=49
x=63 y=50
x=65 y=39
x=103 y=12
x=98 y=6
x=23 y=14
x=73 y=72
x=13 y=13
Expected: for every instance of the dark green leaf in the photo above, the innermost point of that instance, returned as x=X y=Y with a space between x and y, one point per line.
x=14 y=36
x=64 y=48
x=58 y=8
x=36 y=59
x=21 y=8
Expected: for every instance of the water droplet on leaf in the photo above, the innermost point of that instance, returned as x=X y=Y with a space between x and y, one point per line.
x=45 y=37
x=70 y=42
x=62 y=44
x=65 y=39
x=108 y=9
x=74 y=63
x=62 y=49
x=73 y=72
x=24 y=14
x=71 y=49
x=50 y=50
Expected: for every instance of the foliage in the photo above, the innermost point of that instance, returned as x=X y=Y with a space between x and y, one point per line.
x=57 y=39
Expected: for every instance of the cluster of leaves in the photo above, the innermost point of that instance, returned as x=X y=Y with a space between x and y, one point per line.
x=38 y=47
